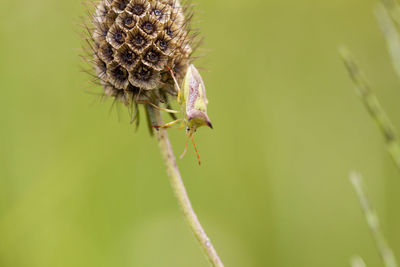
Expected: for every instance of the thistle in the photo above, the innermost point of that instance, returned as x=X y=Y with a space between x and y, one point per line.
x=141 y=52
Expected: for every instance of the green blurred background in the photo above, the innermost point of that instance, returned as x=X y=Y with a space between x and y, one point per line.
x=78 y=187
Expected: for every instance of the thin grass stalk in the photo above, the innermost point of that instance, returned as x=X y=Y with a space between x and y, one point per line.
x=357 y=261
x=371 y=216
x=373 y=106
x=393 y=8
x=390 y=31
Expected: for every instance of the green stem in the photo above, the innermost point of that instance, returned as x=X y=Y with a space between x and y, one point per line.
x=373 y=106
x=357 y=261
x=371 y=216
x=389 y=30
x=182 y=196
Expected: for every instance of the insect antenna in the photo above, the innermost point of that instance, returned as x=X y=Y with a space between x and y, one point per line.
x=197 y=152
x=187 y=142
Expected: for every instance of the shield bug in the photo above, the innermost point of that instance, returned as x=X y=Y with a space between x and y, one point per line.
x=193 y=104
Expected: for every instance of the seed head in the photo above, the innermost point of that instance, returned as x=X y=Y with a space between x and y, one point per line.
x=133 y=45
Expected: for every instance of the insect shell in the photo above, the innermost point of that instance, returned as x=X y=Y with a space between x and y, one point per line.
x=194 y=101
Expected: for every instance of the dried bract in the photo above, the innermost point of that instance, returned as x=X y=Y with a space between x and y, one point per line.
x=134 y=43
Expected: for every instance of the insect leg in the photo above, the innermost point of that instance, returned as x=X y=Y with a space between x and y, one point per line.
x=137 y=100
x=182 y=126
x=176 y=84
x=168 y=125
x=157 y=107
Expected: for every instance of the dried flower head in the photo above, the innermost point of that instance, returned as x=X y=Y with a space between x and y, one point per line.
x=134 y=43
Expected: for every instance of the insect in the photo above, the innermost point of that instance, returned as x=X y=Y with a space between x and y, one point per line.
x=193 y=104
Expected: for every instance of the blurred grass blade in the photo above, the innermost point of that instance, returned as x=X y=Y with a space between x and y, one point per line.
x=357 y=261
x=373 y=221
x=393 y=9
x=373 y=106
x=391 y=34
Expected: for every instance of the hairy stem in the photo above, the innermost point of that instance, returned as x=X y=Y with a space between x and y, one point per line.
x=182 y=196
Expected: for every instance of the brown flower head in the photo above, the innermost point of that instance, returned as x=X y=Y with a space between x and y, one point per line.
x=134 y=43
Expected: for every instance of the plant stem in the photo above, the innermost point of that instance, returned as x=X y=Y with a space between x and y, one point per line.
x=389 y=30
x=373 y=106
x=357 y=261
x=371 y=216
x=182 y=196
